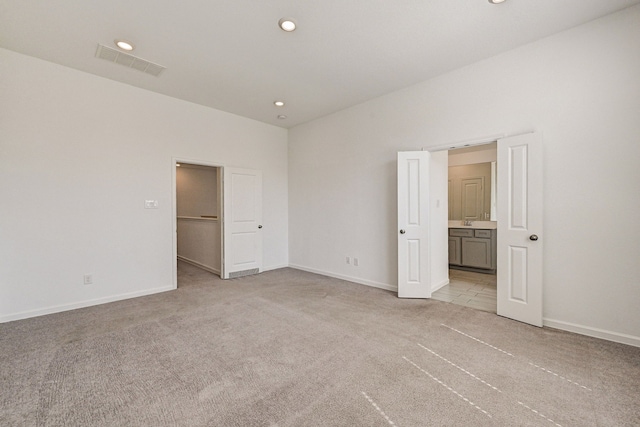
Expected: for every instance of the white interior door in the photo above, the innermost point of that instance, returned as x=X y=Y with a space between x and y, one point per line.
x=520 y=236
x=413 y=225
x=242 y=222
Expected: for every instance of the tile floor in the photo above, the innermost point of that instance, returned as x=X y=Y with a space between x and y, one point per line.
x=475 y=290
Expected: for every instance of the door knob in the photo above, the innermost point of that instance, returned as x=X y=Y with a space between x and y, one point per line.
x=260 y=226
x=533 y=237
x=402 y=231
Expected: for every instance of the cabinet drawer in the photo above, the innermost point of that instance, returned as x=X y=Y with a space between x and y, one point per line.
x=460 y=232
x=483 y=233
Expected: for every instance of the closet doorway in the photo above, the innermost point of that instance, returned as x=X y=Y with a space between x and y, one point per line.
x=198 y=215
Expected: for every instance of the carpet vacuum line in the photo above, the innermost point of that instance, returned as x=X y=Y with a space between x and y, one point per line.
x=375 y=405
x=511 y=355
x=448 y=388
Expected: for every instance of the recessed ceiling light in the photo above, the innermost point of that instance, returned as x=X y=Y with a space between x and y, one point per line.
x=279 y=103
x=287 y=24
x=124 y=45
x=496 y=1
x=282 y=117
x=178 y=165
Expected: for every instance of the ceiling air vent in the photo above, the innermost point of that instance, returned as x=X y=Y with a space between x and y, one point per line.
x=128 y=60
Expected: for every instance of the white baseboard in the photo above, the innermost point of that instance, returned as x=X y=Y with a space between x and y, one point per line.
x=347 y=278
x=275 y=267
x=199 y=265
x=81 y=304
x=592 y=332
x=434 y=288
x=557 y=324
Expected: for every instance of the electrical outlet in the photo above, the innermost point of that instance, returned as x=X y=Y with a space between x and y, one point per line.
x=355 y=262
x=348 y=260
x=88 y=279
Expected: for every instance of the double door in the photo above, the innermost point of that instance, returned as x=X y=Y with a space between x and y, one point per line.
x=519 y=264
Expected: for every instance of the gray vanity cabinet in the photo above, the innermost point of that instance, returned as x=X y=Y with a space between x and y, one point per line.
x=477 y=253
x=472 y=248
x=455 y=250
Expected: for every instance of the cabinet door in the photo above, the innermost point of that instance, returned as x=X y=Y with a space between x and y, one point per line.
x=455 y=251
x=476 y=252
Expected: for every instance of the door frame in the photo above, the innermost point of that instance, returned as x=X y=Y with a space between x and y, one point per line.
x=462 y=144
x=174 y=210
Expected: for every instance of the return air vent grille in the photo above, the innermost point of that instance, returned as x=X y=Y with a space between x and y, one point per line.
x=243 y=273
x=128 y=60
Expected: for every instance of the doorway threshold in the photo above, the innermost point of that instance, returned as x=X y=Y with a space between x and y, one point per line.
x=469 y=289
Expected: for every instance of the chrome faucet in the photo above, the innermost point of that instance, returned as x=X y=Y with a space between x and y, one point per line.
x=468 y=222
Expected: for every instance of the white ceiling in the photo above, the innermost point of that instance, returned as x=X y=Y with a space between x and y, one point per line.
x=232 y=56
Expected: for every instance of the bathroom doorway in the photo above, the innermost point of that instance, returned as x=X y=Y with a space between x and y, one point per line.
x=519 y=216
x=472 y=228
x=470 y=289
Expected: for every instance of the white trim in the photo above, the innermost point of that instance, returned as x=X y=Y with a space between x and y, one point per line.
x=348 y=278
x=199 y=265
x=274 y=267
x=434 y=288
x=82 y=304
x=592 y=332
x=198 y=218
x=216 y=271
x=467 y=143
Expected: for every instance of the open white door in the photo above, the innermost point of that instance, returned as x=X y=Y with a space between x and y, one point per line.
x=242 y=222
x=520 y=228
x=413 y=225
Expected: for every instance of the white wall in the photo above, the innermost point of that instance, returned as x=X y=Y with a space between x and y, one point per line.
x=486 y=153
x=439 y=220
x=79 y=154
x=581 y=88
x=196 y=190
x=200 y=242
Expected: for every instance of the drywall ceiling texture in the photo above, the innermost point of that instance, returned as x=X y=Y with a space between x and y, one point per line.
x=580 y=88
x=79 y=156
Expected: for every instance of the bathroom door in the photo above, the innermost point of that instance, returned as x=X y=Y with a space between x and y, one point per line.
x=242 y=222
x=413 y=225
x=520 y=238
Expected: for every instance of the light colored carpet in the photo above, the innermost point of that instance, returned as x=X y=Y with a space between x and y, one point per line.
x=290 y=348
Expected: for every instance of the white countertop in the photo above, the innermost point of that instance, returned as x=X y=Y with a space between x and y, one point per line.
x=484 y=225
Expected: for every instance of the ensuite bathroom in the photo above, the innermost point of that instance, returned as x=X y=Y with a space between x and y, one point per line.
x=472 y=228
